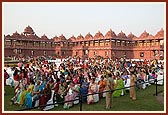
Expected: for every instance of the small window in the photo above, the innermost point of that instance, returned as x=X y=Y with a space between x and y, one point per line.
x=44 y=52
x=156 y=53
x=141 y=54
x=86 y=52
x=106 y=53
x=63 y=53
x=95 y=53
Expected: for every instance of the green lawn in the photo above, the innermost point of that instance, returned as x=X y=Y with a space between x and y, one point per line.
x=146 y=101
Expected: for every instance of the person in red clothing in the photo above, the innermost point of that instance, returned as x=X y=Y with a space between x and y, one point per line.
x=6 y=76
x=21 y=75
x=20 y=64
x=16 y=77
x=16 y=74
x=45 y=96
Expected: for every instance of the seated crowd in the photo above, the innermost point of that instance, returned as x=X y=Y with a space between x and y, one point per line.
x=35 y=83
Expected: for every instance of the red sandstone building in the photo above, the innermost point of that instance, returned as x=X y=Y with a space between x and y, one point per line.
x=112 y=45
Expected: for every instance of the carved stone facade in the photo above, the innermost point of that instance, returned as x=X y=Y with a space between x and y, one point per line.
x=146 y=46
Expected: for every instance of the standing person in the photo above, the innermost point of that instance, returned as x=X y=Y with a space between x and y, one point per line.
x=132 y=83
x=109 y=87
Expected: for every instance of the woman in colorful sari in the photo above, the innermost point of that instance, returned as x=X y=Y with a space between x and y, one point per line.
x=73 y=91
x=45 y=96
x=36 y=93
x=18 y=89
x=101 y=86
x=61 y=91
x=84 y=89
x=119 y=85
x=25 y=92
x=28 y=100
x=92 y=89
x=51 y=82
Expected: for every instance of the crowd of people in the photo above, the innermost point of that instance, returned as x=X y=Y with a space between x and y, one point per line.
x=39 y=80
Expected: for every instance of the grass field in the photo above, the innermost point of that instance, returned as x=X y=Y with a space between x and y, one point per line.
x=146 y=101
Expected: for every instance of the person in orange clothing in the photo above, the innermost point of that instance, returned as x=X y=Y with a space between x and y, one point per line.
x=101 y=86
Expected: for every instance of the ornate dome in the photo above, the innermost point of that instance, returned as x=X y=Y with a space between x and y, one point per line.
x=16 y=35
x=55 y=38
x=28 y=30
x=44 y=37
x=160 y=34
x=122 y=35
x=110 y=34
x=62 y=37
x=72 y=38
x=144 y=35
x=80 y=38
x=131 y=35
x=7 y=36
x=98 y=35
x=88 y=36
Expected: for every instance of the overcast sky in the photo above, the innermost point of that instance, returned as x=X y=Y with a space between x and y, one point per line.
x=54 y=19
